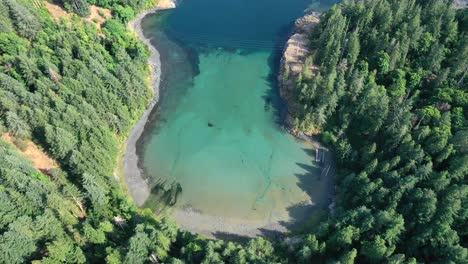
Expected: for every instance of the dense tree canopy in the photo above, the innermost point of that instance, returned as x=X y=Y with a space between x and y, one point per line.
x=390 y=98
x=76 y=91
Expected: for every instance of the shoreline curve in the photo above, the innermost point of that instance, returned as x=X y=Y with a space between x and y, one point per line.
x=187 y=218
x=133 y=175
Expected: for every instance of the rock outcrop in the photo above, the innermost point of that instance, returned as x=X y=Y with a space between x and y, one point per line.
x=461 y=4
x=293 y=62
x=166 y=4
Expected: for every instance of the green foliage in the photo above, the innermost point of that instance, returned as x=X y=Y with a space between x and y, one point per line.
x=398 y=127
x=80 y=7
x=6 y=25
x=124 y=10
x=259 y=250
x=390 y=98
x=77 y=93
x=16 y=125
x=25 y=21
x=12 y=44
x=33 y=210
x=124 y=14
x=73 y=92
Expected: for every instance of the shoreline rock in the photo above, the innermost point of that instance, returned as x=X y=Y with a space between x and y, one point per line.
x=136 y=183
x=460 y=4
x=293 y=63
x=166 y=4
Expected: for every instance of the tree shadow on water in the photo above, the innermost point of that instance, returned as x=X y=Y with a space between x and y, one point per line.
x=305 y=215
x=163 y=194
x=310 y=175
x=230 y=237
x=318 y=186
x=299 y=214
x=272 y=96
x=274 y=234
x=263 y=232
x=310 y=152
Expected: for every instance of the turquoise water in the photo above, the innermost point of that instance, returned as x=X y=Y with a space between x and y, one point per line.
x=217 y=132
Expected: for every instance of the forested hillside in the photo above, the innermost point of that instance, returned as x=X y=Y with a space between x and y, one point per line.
x=76 y=90
x=76 y=93
x=390 y=97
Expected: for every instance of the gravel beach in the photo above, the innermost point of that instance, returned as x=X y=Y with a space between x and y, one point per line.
x=136 y=183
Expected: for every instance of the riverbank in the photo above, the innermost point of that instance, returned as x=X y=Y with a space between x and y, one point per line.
x=136 y=184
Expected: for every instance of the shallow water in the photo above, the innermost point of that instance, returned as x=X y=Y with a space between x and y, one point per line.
x=216 y=131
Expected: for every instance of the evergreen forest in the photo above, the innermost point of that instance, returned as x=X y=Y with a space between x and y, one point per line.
x=385 y=86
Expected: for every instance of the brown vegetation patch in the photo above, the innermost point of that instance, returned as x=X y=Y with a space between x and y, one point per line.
x=297 y=49
x=166 y=4
x=98 y=15
x=57 y=12
x=297 y=61
x=40 y=159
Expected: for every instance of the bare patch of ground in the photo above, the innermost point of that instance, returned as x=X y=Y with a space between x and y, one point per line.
x=296 y=60
x=297 y=48
x=97 y=17
x=57 y=12
x=166 y=4
x=40 y=159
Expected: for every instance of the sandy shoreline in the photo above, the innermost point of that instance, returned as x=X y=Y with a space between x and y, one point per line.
x=226 y=228
x=276 y=224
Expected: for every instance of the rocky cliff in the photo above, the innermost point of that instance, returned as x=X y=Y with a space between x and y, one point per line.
x=166 y=4
x=293 y=63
